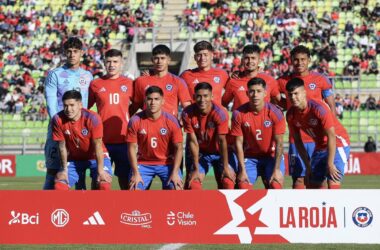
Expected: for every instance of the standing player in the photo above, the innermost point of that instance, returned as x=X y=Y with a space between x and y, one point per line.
x=112 y=94
x=206 y=124
x=332 y=142
x=69 y=76
x=317 y=87
x=259 y=127
x=175 y=89
x=204 y=72
x=79 y=133
x=154 y=144
x=236 y=89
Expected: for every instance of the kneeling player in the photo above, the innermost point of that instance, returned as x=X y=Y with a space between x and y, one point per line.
x=331 y=139
x=206 y=123
x=79 y=134
x=158 y=137
x=259 y=127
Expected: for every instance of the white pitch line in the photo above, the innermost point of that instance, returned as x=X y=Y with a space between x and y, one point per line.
x=172 y=246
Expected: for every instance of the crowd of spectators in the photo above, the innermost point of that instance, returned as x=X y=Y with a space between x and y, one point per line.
x=287 y=24
x=31 y=34
x=351 y=103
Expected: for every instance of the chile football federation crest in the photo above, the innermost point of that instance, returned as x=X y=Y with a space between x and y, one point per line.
x=84 y=132
x=124 y=88
x=267 y=123
x=313 y=122
x=169 y=87
x=163 y=131
x=82 y=81
x=362 y=217
x=312 y=86
x=216 y=79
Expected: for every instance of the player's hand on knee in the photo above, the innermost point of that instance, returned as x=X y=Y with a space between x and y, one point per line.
x=135 y=180
x=62 y=175
x=277 y=176
x=228 y=173
x=242 y=177
x=195 y=175
x=104 y=176
x=177 y=182
x=334 y=173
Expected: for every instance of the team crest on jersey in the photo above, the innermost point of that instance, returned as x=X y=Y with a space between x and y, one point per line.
x=163 y=131
x=169 y=87
x=312 y=86
x=216 y=79
x=210 y=125
x=84 y=132
x=267 y=123
x=124 y=88
x=82 y=81
x=313 y=122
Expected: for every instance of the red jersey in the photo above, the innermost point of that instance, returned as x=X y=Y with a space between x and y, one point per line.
x=112 y=98
x=236 y=89
x=78 y=135
x=174 y=88
x=155 y=138
x=216 y=77
x=206 y=127
x=258 y=130
x=317 y=87
x=314 y=120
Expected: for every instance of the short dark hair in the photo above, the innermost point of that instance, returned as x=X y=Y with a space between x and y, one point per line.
x=300 y=49
x=257 y=81
x=161 y=49
x=294 y=83
x=202 y=45
x=72 y=94
x=73 y=43
x=154 y=89
x=113 y=53
x=251 y=48
x=203 y=85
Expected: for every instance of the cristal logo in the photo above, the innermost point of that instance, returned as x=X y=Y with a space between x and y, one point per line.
x=60 y=217
x=308 y=217
x=136 y=218
x=24 y=218
x=182 y=219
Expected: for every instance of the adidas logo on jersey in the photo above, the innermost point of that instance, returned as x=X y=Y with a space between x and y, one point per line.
x=142 y=132
x=67 y=132
x=196 y=81
x=246 y=124
x=103 y=89
x=241 y=88
x=94 y=220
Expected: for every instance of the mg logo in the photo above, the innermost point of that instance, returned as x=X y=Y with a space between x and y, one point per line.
x=60 y=217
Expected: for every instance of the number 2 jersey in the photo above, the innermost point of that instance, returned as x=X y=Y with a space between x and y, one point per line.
x=155 y=138
x=112 y=98
x=314 y=120
x=258 y=129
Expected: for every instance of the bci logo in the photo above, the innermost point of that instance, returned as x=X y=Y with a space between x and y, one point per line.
x=24 y=218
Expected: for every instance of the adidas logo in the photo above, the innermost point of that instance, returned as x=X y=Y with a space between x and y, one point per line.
x=67 y=132
x=142 y=132
x=94 y=220
x=103 y=89
x=196 y=81
x=241 y=88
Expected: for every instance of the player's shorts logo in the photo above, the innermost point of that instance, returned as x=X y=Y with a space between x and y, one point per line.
x=124 y=88
x=163 y=131
x=267 y=124
x=362 y=217
x=312 y=86
x=313 y=122
x=82 y=81
x=169 y=87
x=84 y=132
x=216 y=79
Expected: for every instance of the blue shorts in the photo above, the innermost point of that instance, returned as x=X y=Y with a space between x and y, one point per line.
x=206 y=161
x=148 y=172
x=119 y=156
x=319 y=163
x=261 y=166
x=78 y=168
x=52 y=157
x=297 y=167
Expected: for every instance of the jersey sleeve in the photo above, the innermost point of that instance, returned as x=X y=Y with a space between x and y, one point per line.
x=281 y=85
x=91 y=95
x=96 y=126
x=289 y=119
x=222 y=122
x=224 y=78
x=132 y=129
x=228 y=94
x=183 y=91
x=57 y=131
x=138 y=97
x=236 y=124
x=326 y=86
x=51 y=89
x=176 y=135
x=279 y=123
x=275 y=89
x=325 y=116
x=188 y=128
